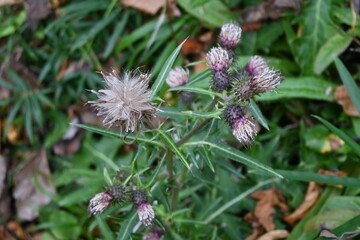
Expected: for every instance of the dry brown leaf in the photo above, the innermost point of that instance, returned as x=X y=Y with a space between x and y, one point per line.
x=192 y=46
x=148 y=6
x=342 y=97
x=312 y=195
x=265 y=207
x=3 y=169
x=331 y=173
x=70 y=141
x=27 y=196
x=275 y=234
x=36 y=10
x=9 y=2
x=16 y=229
x=257 y=229
x=5 y=201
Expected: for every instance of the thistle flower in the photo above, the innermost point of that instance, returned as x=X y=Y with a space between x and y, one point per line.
x=242 y=127
x=256 y=65
x=99 y=203
x=220 y=82
x=264 y=78
x=218 y=59
x=230 y=35
x=144 y=209
x=177 y=77
x=125 y=101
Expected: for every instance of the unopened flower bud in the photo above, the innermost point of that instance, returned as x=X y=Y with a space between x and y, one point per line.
x=119 y=193
x=242 y=126
x=144 y=209
x=243 y=87
x=220 y=82
x=99 y=203
x=256 y=65
x=230 y=35
x=177 y=77
x=218 y=59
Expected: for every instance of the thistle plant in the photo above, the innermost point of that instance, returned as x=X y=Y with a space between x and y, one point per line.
x=176 y=143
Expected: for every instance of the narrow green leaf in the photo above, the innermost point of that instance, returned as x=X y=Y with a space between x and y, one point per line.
x=116 y=34
x=256 y=112
x=127 y=226
x=236 y=155
x=10 y=117
x=100 y=25
x=330 y=50
x=346 y=229
x=214 y=13
x=109 y=133
x=104 y=228
x=196 y=90
x=302 y=87
x=205 y=152
x=28 y=120
x=349 y=83
x=354 y=146
x=319 y=178
x=237 y=199
x=170 y=142
x=214 y=114
x=164 y=71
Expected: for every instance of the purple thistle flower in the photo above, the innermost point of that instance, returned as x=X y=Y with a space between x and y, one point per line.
x=99 y=203
x=264 y=78
x=144 y=209
x=242 y=127
x=124 y=101
x=218 y=59
x=154 y=234
x=230 y=35
x=177 y=77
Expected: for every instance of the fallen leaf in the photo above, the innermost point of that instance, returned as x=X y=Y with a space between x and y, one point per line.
x=192 y=46
x=332 y=173
x=67 y=68
x=265 y=206
x=70 y=141
x=270 y=9
x=342 y=98
x=327 y=234
x=275 y=234
x=16 y=230
x=5 y=201
x=312 y=195
x=257 y=229
x=148 y=6
x=36 y=10
x=27 y=196
x=9 y=2
x=4 y=234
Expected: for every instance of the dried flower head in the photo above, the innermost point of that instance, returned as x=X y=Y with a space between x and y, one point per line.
x=264 y=78
x=177 y=77
x=144 y=209
x=125 y=101
x=230 y=35
x=99 y=203
x=242 y=127
x=220 y=81
x=218 y=59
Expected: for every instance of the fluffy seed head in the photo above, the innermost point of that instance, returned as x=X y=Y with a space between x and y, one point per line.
x=242 y=127
x=124 y=101
x=218 y=59
x=99 y=203
x=220 y=81
x=230 y=35
x=177 y=77
x=144 y=209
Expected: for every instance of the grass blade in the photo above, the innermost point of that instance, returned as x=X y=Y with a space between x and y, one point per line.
x=354 y=146
x=255 y=110
x=319 y=178
x=165 y=71
x=196 y=90
x=349 y=83
x=110 y=133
